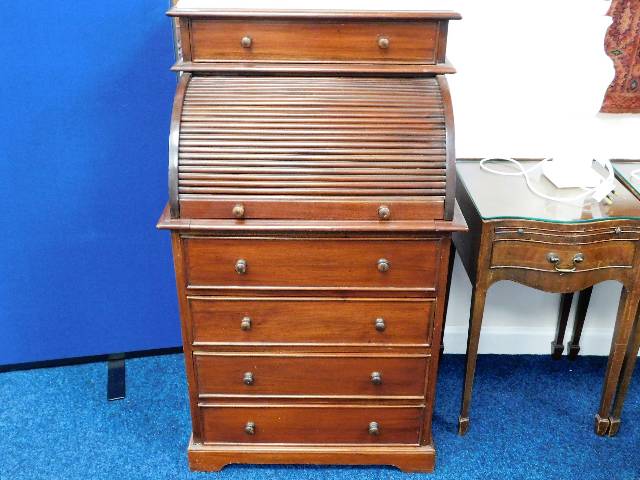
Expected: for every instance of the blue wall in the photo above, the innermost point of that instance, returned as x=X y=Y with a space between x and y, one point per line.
x=85 y=101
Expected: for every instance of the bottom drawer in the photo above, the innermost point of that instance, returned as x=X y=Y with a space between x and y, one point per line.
x=311 y=424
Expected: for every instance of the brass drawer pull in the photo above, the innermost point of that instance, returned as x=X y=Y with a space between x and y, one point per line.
x=238 y=211
x=383 y=265
x=384 y=213
x=246 y=41
x=554 y=259
x=247 y=378
x=380 y=325
x=250 y=428
x=376 y=378
x=245 y=324
x=241 y=266
x=383 y=43
x=374 y=428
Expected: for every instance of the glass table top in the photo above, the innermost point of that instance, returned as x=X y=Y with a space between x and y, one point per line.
x=497 y=196
x=624 y=170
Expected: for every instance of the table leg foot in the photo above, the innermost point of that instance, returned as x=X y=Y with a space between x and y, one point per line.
x=463 y=425
x=572 y=354
x=614 y=426
x=556 y=350
x=601 y=425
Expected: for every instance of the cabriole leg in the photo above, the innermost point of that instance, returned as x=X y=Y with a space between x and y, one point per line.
x=557 y=345
x=573 y=346
x=475 y=322
x=625 y=379
x=621 y=335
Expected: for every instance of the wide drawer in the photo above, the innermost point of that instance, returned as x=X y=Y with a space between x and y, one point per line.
x=311 y=320
x=563 y=252
x=335 y=374
x=322 y=263
x=311 y=424
x=314 y=40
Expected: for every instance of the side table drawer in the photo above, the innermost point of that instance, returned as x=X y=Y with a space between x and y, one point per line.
x=556 y=255
x=311 y=320
x=311 y=424
x=311 y=374
x=324 y=263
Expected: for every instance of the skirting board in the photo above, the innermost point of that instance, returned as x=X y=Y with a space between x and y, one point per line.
x=509 y=340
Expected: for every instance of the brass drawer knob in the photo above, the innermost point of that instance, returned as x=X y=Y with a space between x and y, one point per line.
x=241 y=266
x=250 y=428
x=384 y=213
x=380 y=325
x=374 y=428
x=376 y=378
x=246 y=41
x=383 y=265
x=383 y=43
x=247 y=378
x=238 y=211
x=245 y=324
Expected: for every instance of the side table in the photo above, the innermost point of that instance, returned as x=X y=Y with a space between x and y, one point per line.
x=623 y=171
x=551 y=246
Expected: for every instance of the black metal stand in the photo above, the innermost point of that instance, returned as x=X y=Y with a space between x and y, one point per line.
x=116 y=383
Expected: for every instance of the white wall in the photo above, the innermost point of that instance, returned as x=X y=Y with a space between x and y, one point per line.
x=530 y=81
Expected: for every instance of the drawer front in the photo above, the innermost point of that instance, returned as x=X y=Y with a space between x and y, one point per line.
x=320 y=375
x=311 y=320
x=328 y=424
x=562 y=257
x=318 y=209
x=309 y=40
x=323 y=263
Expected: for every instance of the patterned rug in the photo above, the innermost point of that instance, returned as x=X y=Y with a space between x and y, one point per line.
x=622 y=44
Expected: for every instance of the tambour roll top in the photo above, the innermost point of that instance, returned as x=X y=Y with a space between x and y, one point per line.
x=356 y=128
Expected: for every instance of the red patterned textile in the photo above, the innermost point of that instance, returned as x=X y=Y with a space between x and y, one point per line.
x=622 y=44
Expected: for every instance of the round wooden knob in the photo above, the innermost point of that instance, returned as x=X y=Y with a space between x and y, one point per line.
x=241 y=266
x=245 y=324
x=374 y=428
x=246 y=41
x=376 y=378
x=383 y=265
x=380 y=325
x=247 y=378
x=238 y=211
x=384 y=213
x=250 y=428
x=383 y=43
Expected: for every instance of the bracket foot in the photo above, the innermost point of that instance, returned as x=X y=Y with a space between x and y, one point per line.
x=601 y=425
x=573 y=351
x=556 y=350
x=463 y=425
x=614 y=426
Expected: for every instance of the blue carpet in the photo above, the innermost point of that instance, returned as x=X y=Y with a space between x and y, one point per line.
x=531 y=418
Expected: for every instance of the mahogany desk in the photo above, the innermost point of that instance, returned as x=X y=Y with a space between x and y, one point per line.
x=623 y=171
x=551 y=246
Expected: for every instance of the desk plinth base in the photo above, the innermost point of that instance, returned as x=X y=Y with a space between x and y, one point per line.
x=211 y=457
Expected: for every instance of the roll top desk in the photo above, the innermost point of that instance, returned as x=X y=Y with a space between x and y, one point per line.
x=311 y=207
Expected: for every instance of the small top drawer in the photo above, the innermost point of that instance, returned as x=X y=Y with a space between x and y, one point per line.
x=313 y=40
x=215 y=35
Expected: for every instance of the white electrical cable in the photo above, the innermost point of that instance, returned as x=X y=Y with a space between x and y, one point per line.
x=526 y=171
